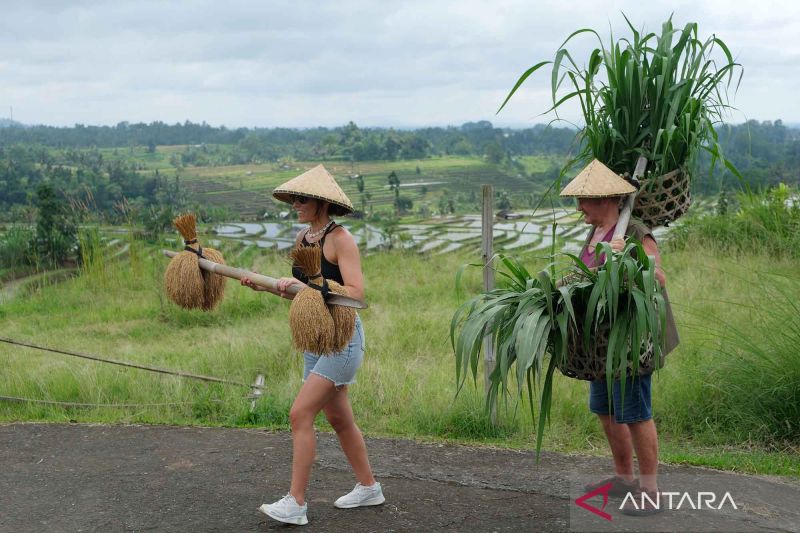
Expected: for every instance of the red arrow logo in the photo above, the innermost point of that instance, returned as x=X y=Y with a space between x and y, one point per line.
x=581 y=502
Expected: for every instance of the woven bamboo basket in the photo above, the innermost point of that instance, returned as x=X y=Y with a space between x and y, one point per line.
x=590 y=365
x=663 y=199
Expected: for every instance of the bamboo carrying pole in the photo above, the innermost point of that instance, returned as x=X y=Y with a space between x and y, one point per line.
x=630 y=200
x=266 y=281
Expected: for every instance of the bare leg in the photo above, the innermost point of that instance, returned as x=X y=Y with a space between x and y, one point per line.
x=645 y=442
x=340 y=415
x=619 y=439
x=314 y=394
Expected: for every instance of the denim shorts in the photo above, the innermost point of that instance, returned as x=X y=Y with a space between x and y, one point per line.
x=339 y=367
x=637 y=406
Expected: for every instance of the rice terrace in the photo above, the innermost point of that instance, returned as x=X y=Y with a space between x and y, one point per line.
x=144 y=390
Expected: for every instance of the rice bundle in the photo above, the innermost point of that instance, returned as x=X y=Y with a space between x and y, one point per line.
x=344 y=319
x=310 y=319
x=185 y=283
x=311 y=323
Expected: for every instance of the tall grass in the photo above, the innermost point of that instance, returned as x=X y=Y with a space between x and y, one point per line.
x=754 y=391
x=91 y=253
x=406 y=386
x=16 y=250
x=753 y=388
x=765 y=221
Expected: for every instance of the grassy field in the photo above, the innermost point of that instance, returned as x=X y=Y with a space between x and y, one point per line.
x=246 y=189
x=116 y=308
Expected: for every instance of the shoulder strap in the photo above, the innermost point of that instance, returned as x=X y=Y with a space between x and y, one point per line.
x=637 y=229
x=586 y=241
x=303 y=240
x=330 y=229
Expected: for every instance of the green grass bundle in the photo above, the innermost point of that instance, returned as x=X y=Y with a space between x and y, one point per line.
x=533 y=323
x=656 y=95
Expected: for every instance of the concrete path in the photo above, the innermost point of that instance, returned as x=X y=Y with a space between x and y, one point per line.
x=155 y=478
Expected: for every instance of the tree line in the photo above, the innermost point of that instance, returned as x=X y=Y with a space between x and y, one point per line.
x=43 y=165
x=348 y=142
x=767 y=152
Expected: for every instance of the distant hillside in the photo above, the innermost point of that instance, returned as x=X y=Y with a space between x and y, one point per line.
x=7 y=123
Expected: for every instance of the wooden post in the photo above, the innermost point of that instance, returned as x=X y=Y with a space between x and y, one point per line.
x=258 y=390
x=487 y=231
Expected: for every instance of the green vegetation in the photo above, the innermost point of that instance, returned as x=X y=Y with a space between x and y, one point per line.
x=751 y=222
x=735 y=272
x=203 y=145
x=144 y=173
x=538 y=325
x=405 y=388
x=766 y=153
x=652 y=95
x=752 y=389
x=50 y=245
x=16 y=248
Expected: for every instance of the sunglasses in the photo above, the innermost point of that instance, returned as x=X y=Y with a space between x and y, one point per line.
x=299 y=199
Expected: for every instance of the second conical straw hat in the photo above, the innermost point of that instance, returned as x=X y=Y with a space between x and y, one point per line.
x=597 y=181
x=315 y=183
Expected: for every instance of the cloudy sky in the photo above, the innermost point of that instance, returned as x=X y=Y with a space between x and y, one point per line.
x=378 y=63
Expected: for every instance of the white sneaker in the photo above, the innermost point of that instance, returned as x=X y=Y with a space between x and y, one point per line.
x=361 y=496
x=286 y=510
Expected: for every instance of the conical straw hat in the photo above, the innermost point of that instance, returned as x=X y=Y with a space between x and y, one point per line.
x=315 y=183
x=597 y=181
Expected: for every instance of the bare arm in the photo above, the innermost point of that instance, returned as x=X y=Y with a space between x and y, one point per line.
x=349 y=260
x=651 y=248
x=283 y=283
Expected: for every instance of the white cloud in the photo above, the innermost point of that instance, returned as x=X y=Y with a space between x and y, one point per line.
x=324 y=63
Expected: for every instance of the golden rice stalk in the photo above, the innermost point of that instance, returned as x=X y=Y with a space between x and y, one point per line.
x=213 y=284
x=183 y=281
x=311 y=322
x=309 y=260
x=186 y=225
x=344 y=319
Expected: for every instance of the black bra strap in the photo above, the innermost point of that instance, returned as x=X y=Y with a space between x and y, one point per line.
x=330 y=229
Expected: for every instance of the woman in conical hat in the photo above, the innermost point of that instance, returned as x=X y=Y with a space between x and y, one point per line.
x=599 y=192
x=316 y=196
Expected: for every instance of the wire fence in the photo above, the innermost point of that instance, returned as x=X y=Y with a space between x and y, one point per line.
x=256 y=388
x=17 y=399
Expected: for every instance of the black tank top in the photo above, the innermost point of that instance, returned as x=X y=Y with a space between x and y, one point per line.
x=329 y=270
